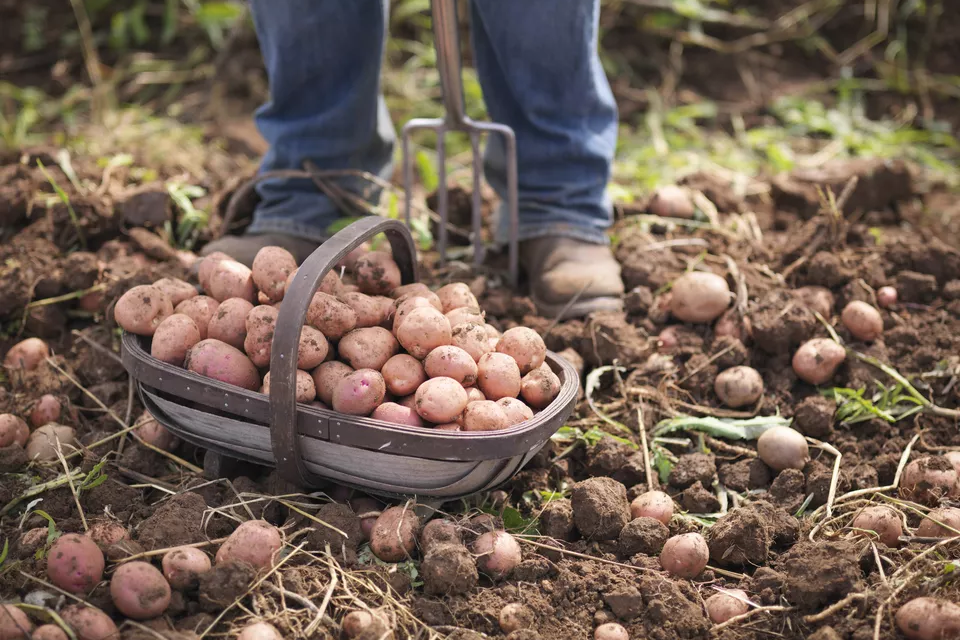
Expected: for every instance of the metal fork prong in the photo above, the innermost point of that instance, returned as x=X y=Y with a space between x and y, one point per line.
x=432 y=124
x=476 y=218
x=442 y=202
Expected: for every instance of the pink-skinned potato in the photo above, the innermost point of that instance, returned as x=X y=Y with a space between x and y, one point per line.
x=75 y=563
x=141 y=310
x=261 y=324
x=13 y=430
x=26 y=354
x=441 y=400
x=403 y=374
x=456 y=295
x=369 y=309
x=699 y=296
x=376 y=273
x=231 y=279
x=539 y=387
x=817 y=360
x=42 y=445
x=413 y=287
x=313 y=348
x=474 y=339
x=498 y=376
x=330 y=284
x=259 y=631
x=525 y=346
x=139 y=590
x=152 y=432
x=183 y=566
x=927 y=618
x=484 y=415
x=332 y=317
x=498 y=553
x=105 y=533
x=254 y=542
x=14 y=624
x=220 y=361
x=406 y=304
x=201 y=309
x=173 y=338
x=394 y=535
x=229 y=322
x=176 y=289
x=423 y=330
x=270 y=269
x=451 y=362
x=306 y=389
x=48 y=632
x=368 y=348
x=359 y=393
x=515 y=410
x=326 y=376
x=206 y=266
x=89 y=623
x=47 y=409
x=397 y=414
x=465 y=314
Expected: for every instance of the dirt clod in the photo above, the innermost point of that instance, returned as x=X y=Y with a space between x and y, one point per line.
x=691 y=468
x=818 y=573
x=600 y=508
x=643 y=535
x=448 y=568
x=223 y=584
x=556 y=520
x=814 y=417
x=174 y=523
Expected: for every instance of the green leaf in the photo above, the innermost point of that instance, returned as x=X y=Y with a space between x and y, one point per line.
x=428 y=171
x=342 y=223
x=218 y=13
x=513 y=520
x=5 y=551
x=722 y=428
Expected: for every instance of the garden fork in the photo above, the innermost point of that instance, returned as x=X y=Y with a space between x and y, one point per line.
x=447 y=42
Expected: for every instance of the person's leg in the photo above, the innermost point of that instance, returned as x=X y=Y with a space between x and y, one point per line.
x=540 y=71
x=323 y=60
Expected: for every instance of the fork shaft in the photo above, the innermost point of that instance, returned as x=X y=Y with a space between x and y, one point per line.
x=447 y=42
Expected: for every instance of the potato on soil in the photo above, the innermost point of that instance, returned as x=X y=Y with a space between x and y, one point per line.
x=887 y=297
x=75 y=563
x=497 y=553
x=473 y=339
x=928 y=480
x=685 y=556
x=671 y=201
x=368 y=348
x=230 y=279
x=726 y=604
x=515 y=616
x=176 y=289
x=403 y=374
x=464 y=315
x=610 y=631
x=152 y=432
x=220 y=361
x=456 y=295
x=439 y=531
x=733 y=324
x=368 y=510
x=423 y=330
x=47 y=632
x=817 y=360
x=394 y=536
x=254 y=542
x=940 y=523
x=13 y=430
x=652 y=504
x=229 y=322
x=539 y=387
x=525 y=346
x=139 y=590
x=306 y=390
x=261 y=325
x=739 y=386
x=141 y=310
x=515 y=410
x=47 y=409
x=397 y=414
x=449 y=361
x=927 y=618
x=42 y=443
x=173 y=338
x=818 y=299
x=600 y=508
x=448 y=569
x=14 y=623
x=498 y=376
x=441 y=400
x=783 y=448
x=259 y=631
x=332 y=317
x=359 y=393
x=862 y=321
x=699 y=296
x=326 y=377
x=202 y=309
x=484 y=415
x=183 y=566
x=313 y=348
x=106 y=533
x=27 y=354
x=374 y=624
x=882 y=521
x=89 y=623
x=271 y=268
x=376 y=273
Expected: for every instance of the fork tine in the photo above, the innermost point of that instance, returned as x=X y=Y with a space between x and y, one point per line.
x=478 y=252
x=442 y=203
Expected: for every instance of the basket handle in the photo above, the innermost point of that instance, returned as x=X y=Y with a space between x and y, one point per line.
x=293 y=312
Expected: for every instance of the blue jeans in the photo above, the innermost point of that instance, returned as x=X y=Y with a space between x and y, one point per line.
x=540 y=72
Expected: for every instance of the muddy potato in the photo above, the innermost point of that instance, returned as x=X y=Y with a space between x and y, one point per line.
x=515 y=616
x=206 y=267
x=525 y=346
x=881 y=523
x=818 y=299
x=368 y=510
x=173 y=338
x=927 y=618
x=13 y=430
x=726 y=604
x=271 y=268
x=176 y=289
x=498 y=554
x=14 y=623
x=326 y=377
x=403 y=374
x=89 y=623
x=928 y=480
x=886 y=297
x=368 y=348
x=732 y=323
x=106 y=533
x=47 y=632
x=652 y=504
x=405 y=306
x=484 y=415
x=359 y=393
x=330 y=284
x=539 y=387
x=369 y=310
x=671 y=201
x=739 y=386
x=27 y=354
x=397 y=414
x=139 y=590
x=201 y=309
x=783 y=448
x=376 y=273
x=515 y=410
x=441 y=400
x=229 y=322
x=699 y=297
x=465 y=314
x=474 y=394
x=449 y=361
x=141 y=309
x=456 y=295
x=940 y=523
x=254 y=542
x=75 y=563
x=313 y=348
x=47 y=409
x=685 y=555
x=183 y=566
x=42 y=443
x=862 y=321
x=817 y=360
x=306 y=390
x=261 y=324
x=218 y=360
x=610 y=631
x=394 y=535
x=332 y=317
x=230 y=279
x=413 y=287
x=439 y=531
x=423 y=330
x=473 y=339
x=152 y=432
x=498 y=376
x=259 y=631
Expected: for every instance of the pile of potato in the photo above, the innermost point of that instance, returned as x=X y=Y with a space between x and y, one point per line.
x=370 y=347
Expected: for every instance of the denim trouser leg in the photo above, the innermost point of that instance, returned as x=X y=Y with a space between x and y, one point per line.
x=323 y=59
x=540 y=71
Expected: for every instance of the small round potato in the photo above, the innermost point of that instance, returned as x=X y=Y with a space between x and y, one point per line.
x=42 y=443
x=306 y=390
x=369 y=310
x=201 y=309
x=261 y=324
x=940 y=523
x=105 y=533
x=926 y=618
x=465 y=314
x=928 y=480
x=611 y=630
x=403 y=374
x=313 y=348
x=89 y=623
x=183 y=566
x=229 y=322
x=14 y=624
x=254 y=542
x=423 y=330
x=685 y=555
x=326 y=377
x=484 y=415
x=141 y=309
x=817 y=360
x=652 y=504
x=881 y=522
x=449 y=361
x=498 y=376
x=405 y=305
x=75 y=563
x=498 y=553
x=525 y=346
x=456 y=295
x=887 y=297
x=27 y=354
x=47 y=632
x=539 y=387
x=271 y=268
x=474 y=339
x=441 y=400
x=206 y=267
x=515 y=410
x=368 y=348
x=259 y=631
x=230 y=279
x=376 y=273
x=13 y=430
x=139 y=590
x=818 y=299
x=783 y=448
x=862 y=321
x=394 y=535
x=397 y=414
x=727 y=604
x=152 y=432
x=671 y=201
x=176 y=289
x=359 y=393
x=332 y=317
x=173 y=338
x=739 y=386
x=699 y=297
x=47 y=409
x=220 y=361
